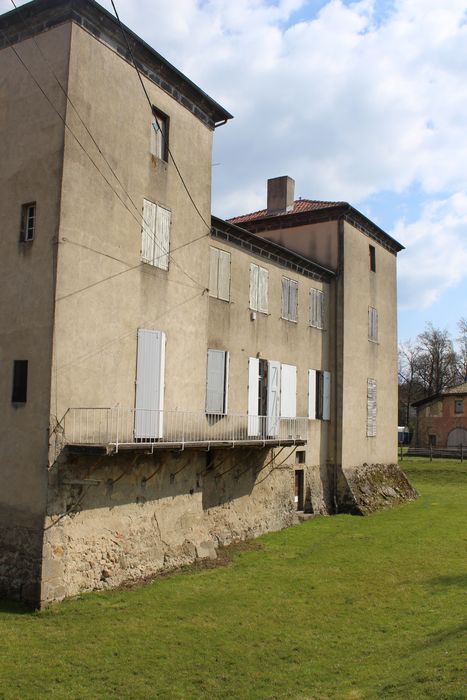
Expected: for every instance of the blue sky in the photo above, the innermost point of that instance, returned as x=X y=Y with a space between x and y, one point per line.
x=359 y=101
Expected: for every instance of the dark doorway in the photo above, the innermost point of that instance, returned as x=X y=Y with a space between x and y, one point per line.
x=299 y=488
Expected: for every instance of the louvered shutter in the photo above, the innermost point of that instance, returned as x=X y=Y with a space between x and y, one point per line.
x=293 y=300
x=162 y=244
x=253 y=396
x=312 y=394
x=274 y=378
x=288 y=391
x=215 y=389
x=321 y=309
x=285 y=297
x=326 y=396
x=371 y=408
x=262 y=290
x=150 y=367
x=213 y=271
x=254 y=287
x=223 y=284
x=148 y=231
x=312 y=307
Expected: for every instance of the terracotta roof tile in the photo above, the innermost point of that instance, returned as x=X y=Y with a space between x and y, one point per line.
x=300 y=205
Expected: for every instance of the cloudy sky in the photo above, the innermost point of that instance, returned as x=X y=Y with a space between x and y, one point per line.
x=359 y=101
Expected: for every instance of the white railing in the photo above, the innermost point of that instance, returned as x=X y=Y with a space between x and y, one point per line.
x=130 y=426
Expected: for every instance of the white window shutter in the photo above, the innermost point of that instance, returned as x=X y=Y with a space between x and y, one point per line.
x=215 y=390
x=312 y=394
x=224 y=275
x=371 y=408
x=253 y=396
x=285 y=297
x=321 y=310
x=150 y=368
x=148 y=231
x=326 y=395
x=254 y=287
x=263 y=290
x=293 y=300
x=213 y=271
x=288 y=391
x=161 y=251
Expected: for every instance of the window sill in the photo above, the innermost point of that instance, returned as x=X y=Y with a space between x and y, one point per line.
x=290 y=320
x=375 y=342
x=318 y=328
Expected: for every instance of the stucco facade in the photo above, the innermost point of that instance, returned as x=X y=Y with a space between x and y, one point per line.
x=95 y=493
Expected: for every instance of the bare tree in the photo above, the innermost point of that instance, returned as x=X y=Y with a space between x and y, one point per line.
x=462 y=348
x=437 y=363
x=409 y=386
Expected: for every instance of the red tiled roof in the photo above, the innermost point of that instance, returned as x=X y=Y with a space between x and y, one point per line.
x=300 y=205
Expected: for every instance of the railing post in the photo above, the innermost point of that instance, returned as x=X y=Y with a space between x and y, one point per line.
x=431 y=453
x=462 y=453
x=116 y=434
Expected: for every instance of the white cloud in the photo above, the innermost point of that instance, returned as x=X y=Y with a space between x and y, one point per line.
x=436 y=255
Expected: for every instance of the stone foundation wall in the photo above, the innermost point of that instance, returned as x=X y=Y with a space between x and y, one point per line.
x=370 y=487
x=134 y=516
x=20 y=562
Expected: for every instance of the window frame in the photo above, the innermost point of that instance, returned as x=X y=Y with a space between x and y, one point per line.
x=254 y=296
x=151 y=229
x=457 y=403
x=286 y=311
x=27 y=230
x=317 y=320
x=160 y=123
x=319 y=394
x=215 y=260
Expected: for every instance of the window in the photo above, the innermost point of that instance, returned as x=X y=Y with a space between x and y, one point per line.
x=155 y=235
x=258 y=288
x=432 y=440
x=160 y=135
x=317 y=308
x=372 y=254
x=372 y=324
x=458 y=406
x=217 y=381
x=288 y=386
x=28 y=222
x=319 y=395
x=20 y=381
x=219 y=274
x=289 y=299
x=371 y=408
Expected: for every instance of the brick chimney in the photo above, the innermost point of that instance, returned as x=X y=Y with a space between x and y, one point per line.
x=280 y=194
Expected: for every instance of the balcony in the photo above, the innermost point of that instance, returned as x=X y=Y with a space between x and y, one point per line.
x=112 y=430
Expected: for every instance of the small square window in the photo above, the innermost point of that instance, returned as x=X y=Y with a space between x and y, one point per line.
x=160 y=135
x=28 y=222
x=458 y=406
x=20 y=381
x=300 y=456
x=372 y=253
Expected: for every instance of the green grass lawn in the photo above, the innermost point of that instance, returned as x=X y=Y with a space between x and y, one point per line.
x=342 y=607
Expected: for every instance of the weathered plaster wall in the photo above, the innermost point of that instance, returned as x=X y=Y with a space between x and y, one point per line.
x=128 y=526
x=31 y=151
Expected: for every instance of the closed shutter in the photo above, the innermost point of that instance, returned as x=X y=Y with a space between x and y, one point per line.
x=216 y=378
x=161 y=252
x=285 y=297
x=213 y=271
x=326 y=396
x=312 y=307
x=262 y=290
x=253 y=396
x=321 y=319
x=274 y=379
x=293 y=300
x=149 y=401
x=254 y=287
x=372 y=323
x=224 y=275
x=312 y=394
x=288 y=391
x=371 y=408
x=148 y=231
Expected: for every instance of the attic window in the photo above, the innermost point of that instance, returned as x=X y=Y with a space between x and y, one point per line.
x=458 y=406
x=160 y=135
x=20 y=381
x=372 y=253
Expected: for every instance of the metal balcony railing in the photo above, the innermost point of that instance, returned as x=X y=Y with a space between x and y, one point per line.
x=118 y=427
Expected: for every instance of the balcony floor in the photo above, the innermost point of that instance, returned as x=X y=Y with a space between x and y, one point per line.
x=150 y=447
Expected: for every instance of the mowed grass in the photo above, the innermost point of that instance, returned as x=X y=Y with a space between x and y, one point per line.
x=343 y=607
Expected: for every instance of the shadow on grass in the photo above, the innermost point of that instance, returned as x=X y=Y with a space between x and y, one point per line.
x=12 y=607
x=459 y=581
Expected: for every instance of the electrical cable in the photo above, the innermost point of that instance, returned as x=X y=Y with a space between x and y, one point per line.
x=67 y=126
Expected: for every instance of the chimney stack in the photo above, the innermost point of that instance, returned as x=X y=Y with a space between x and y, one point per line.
x=280 y=194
